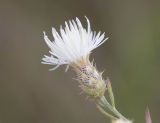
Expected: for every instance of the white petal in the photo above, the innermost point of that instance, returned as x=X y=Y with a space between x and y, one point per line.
x=71 y=43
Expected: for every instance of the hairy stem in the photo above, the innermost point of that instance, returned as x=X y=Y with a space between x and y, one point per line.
x=104 y=103
x=106 y=113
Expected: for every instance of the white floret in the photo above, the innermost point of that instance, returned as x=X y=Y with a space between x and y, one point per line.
x=122 y=121
x=71 y=43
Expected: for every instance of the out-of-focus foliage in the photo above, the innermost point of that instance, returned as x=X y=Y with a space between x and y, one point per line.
x=29 y=93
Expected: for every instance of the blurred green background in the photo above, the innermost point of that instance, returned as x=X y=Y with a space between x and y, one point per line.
x=29 y=93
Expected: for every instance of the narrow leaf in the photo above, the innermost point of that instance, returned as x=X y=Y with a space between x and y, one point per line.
x=111 y=96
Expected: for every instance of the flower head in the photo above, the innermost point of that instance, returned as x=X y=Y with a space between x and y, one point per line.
x=72 y=47
x=73 y=43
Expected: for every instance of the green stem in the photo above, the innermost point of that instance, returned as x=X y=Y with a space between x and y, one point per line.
x=104 y=103
x=106 y=113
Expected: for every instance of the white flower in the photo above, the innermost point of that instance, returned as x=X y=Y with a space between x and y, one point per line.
x=122 y=121
x=73 y=43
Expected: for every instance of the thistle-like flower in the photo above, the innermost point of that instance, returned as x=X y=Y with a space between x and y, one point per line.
x=73 y=47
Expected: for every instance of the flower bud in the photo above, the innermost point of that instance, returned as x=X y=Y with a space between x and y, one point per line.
x=148 y=117
x=90 y=79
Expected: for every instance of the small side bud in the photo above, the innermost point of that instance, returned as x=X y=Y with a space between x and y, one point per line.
x=148 y=117
x=108 y=81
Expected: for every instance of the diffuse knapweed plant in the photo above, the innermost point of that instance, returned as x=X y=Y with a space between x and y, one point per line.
x=72 y=47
